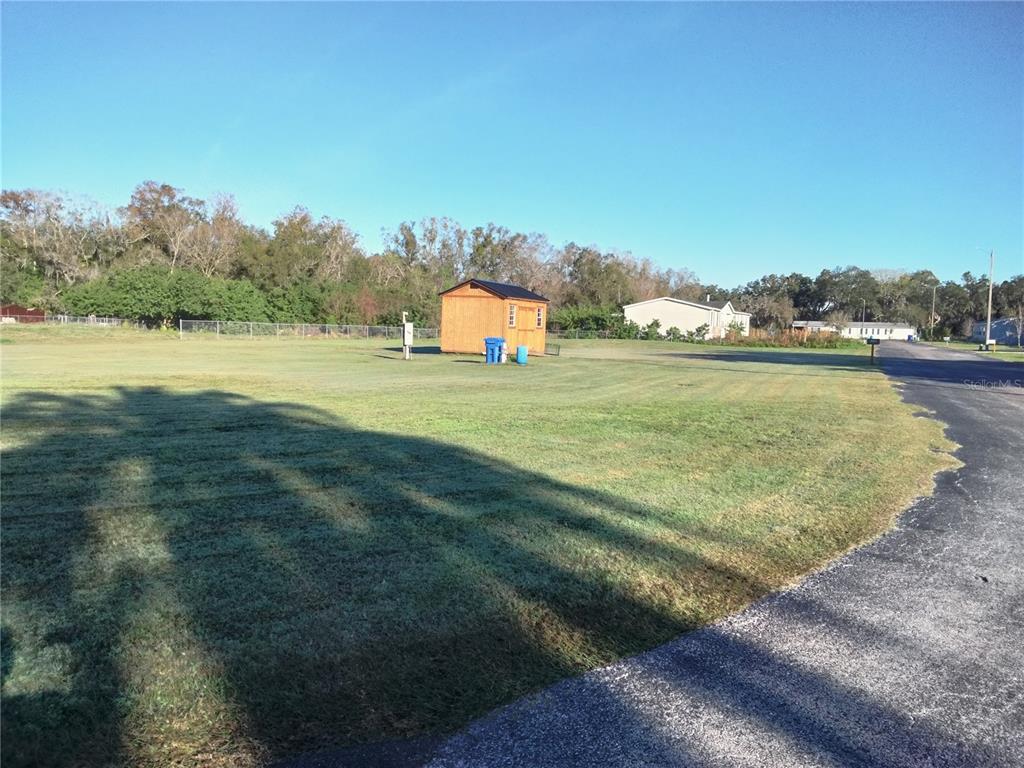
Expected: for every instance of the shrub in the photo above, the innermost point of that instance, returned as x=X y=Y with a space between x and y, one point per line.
x=652 y=331
x=735 y=329
x=699 y=333
x=586 y=318
x=627 y=330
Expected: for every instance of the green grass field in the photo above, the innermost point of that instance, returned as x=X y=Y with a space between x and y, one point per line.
x=1013 y=354
x=220 y=551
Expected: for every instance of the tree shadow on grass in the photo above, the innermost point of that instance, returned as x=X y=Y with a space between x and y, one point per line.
x=204 y=573
x=200 y=577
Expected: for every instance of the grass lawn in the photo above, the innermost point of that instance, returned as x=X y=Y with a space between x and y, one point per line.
x=1013 y=354
x=220 y=551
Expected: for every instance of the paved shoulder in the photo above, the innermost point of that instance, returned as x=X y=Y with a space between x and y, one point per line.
x=907 y=652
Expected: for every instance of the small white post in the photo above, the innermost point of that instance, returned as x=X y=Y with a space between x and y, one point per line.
x=250 y=330
x=218 y=328
x=181 y=331
x=406 y=336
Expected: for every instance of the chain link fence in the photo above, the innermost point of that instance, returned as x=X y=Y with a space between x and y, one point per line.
x=237 y=328
x=579 y=333
x=66 y=320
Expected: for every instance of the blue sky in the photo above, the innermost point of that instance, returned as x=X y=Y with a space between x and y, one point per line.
x=730 y=139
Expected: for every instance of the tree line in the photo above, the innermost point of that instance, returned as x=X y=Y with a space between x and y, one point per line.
x=166 y=255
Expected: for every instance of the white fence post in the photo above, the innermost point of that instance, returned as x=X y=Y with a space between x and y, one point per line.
x=250 y=330
x=181 y=330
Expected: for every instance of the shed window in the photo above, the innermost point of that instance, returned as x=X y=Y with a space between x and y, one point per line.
x=540 y=317
x=511 y=315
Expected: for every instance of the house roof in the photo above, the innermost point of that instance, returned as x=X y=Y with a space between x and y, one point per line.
x=716 y=305
x=872 y=324
x=501 y=290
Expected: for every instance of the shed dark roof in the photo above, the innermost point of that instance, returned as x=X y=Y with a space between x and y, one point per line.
x=503 y=290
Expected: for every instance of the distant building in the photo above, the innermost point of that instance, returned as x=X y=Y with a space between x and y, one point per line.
x=688 y=316
x=15 y=313
x=1004 y=331
x=873 y=330
x=813 y=326
x=858 y=330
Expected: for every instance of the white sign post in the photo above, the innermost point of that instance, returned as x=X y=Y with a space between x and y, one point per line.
x=406 y=337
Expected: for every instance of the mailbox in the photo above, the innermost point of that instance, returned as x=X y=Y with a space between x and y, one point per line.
x=406 y=334
x=872 y=341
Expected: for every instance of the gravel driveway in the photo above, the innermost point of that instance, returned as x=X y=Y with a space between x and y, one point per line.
x=907 y=652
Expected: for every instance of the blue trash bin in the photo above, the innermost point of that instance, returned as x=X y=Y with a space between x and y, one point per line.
x=522 y=352
x=492 y=349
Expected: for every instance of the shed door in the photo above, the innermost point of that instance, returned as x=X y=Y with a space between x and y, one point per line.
x=527 y=325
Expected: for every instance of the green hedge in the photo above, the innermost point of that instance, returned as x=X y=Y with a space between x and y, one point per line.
x=161 y=296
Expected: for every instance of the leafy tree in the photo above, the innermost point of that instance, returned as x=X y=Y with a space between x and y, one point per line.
x=57 y=252
x=851 y=290
x=768 y=311
x=304 y=301
x=1011 y=303
x=163 y=217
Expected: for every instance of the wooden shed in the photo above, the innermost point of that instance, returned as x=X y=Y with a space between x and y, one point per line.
x=474 y=309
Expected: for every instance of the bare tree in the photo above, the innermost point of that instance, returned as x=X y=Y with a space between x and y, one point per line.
x=212 y=240
x=438 y=245
x=61 y=237
x=386 y=269
x=340 y=246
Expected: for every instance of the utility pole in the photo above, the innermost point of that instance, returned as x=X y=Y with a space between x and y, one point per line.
x=931 y=332
x=863 y=309
x=988 y=322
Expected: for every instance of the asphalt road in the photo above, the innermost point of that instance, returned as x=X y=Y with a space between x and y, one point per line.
x=906 y=652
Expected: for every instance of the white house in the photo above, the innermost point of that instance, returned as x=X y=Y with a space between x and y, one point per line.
x=872 y=330
x=865 y=330
x=688 y=315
